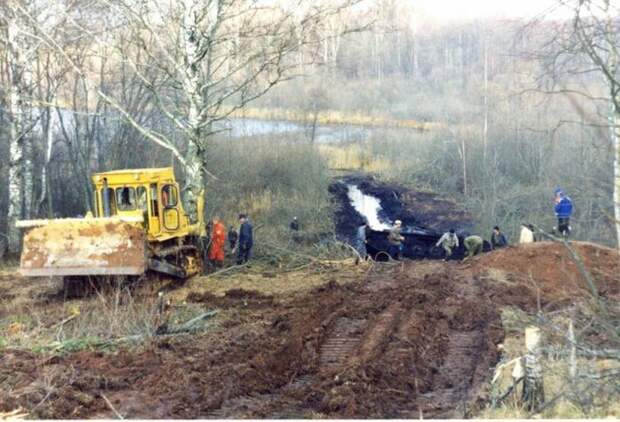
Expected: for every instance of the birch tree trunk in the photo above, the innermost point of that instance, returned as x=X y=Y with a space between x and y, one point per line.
x=196 y=156
x=16 y=148
x=616 y=151
x=485 y=129
x=46 y=187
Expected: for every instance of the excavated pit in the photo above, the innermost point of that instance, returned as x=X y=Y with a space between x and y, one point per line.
x=425 y=216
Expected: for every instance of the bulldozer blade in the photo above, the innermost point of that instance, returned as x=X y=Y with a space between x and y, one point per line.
x=80 y=247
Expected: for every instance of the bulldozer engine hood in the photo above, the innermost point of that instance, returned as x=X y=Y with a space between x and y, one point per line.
x=90 y=246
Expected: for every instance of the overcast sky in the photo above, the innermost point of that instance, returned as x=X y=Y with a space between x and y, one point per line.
x=468 y=9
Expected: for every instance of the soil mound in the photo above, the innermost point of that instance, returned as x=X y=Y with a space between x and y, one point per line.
x=549 y=267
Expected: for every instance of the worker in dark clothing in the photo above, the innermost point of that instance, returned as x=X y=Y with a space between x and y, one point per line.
x=563 y=211
x=246 y=240
x=498 y=240
x=294 y=225
x=233 y=236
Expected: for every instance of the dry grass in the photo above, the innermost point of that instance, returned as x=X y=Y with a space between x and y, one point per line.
x=333 y=117
x=270 y=281
x=353 y=157
x=16 y=414
x=37 y=318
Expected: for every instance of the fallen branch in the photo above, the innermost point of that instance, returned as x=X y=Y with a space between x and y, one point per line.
x=498 y=401
x=64 y=321
x=578 y=261
x=290 y=252
x=226 y=270
x=190 y=325
x=77 y=344
x=118 y=415
x=599 y=304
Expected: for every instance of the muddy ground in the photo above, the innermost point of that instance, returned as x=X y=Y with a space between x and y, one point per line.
x=394 y=340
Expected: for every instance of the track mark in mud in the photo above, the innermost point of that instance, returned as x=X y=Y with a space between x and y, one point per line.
x=380 y=331
x=341 y=344
x=456 y=374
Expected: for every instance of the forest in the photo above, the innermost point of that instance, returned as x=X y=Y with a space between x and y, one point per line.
x=512 y=109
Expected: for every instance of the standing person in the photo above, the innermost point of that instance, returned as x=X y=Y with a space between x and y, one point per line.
x=498 y=240
x=473 y=245
x=360 y=241
x=233 y=236
x=396 y=240
x=218 y=241
x=246 y=240
x=294 y=226
x=563 y=211
x=448 y=241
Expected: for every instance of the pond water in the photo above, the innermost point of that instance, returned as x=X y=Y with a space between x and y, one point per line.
x=242 y=128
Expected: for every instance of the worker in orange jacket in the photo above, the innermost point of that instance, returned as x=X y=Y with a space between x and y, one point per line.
x=218 y=242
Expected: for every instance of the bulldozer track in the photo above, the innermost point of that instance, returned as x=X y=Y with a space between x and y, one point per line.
x=453 y=387
x=341 y=344
x=380 y=330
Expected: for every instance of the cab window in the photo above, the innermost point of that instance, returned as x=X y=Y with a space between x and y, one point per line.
x=154 y=206
x=141 y=198
x=169 y=196
x=126 y=198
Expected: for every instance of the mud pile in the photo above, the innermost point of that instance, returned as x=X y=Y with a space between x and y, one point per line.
x=549 y=267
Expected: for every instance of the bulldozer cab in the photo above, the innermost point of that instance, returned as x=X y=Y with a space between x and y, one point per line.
x=152 y=194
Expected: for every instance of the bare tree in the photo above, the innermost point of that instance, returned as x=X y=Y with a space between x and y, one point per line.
x=20 y=52
x=212 y=58
x=588 y=44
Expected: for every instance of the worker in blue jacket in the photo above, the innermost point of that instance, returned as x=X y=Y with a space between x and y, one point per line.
x=246 y=240
x=563 y=211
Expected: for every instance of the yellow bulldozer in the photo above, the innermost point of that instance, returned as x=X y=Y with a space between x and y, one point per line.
x=139 y=226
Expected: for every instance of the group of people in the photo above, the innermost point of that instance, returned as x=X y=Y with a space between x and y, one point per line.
x=473 y=244
x=240 y=241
